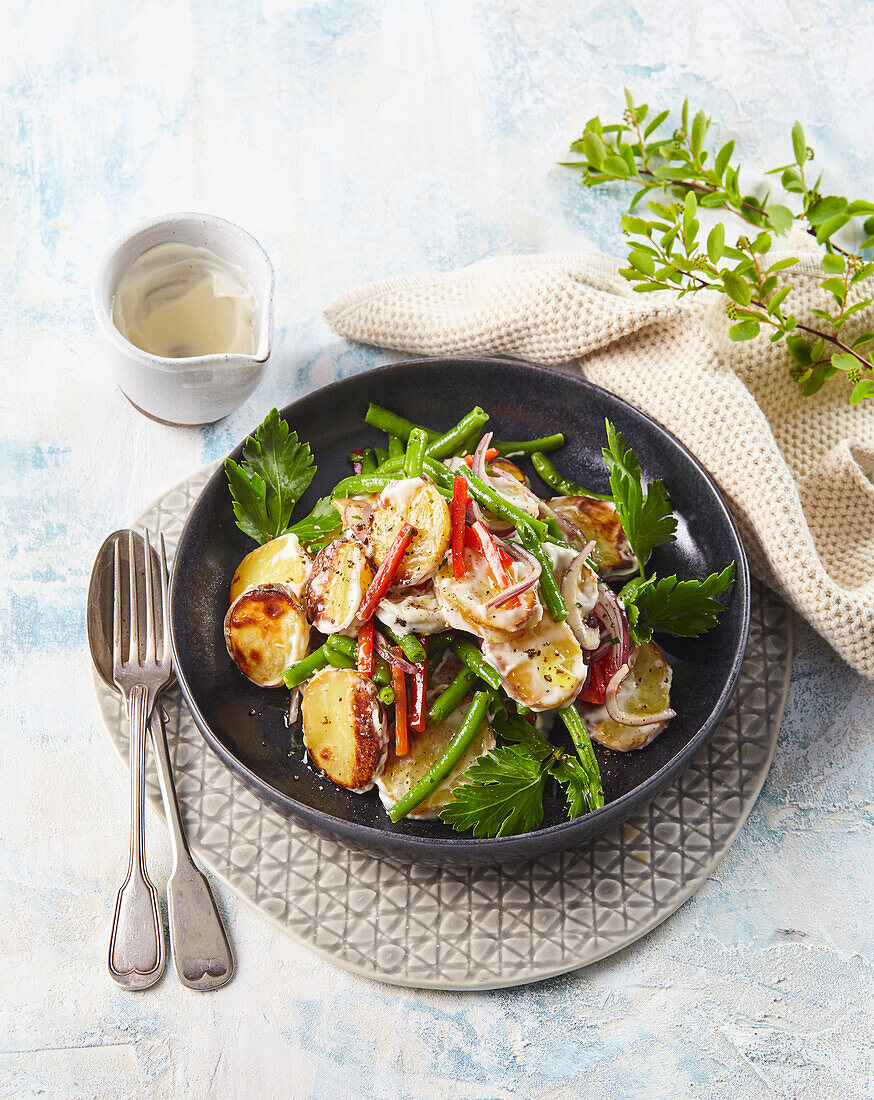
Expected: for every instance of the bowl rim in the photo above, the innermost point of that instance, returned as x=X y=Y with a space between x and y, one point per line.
x=408 y=846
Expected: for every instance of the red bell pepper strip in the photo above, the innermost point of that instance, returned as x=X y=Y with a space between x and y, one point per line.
x=600 y=675
x=386 y=572
x=365 y=648
x=491 y=453
x=402 y=737
x=480 y=538
x=457 y=513
x=420 y=687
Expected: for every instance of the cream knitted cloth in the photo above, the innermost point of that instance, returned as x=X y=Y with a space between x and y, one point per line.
x=796 y=471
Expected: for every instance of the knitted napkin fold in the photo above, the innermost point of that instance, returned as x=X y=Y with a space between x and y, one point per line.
x=796 y=471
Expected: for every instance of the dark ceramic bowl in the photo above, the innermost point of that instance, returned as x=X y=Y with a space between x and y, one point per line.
x=245 y=725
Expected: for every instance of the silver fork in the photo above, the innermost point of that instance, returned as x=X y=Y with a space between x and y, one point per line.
x=136 y=947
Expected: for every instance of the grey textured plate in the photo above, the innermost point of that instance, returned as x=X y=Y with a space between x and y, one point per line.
x=477 y=928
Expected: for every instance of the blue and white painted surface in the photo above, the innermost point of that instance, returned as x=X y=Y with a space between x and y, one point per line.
x=357 y=139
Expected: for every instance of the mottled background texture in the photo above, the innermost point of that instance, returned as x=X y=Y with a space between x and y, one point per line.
x=358 y=139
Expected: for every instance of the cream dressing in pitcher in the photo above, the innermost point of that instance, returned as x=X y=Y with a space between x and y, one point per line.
x=179 y=301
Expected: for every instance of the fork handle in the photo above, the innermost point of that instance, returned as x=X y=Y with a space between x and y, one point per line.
x=136 y=946
x=201 y=954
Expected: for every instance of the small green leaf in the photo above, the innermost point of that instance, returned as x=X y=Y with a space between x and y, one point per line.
x=836 y=287
x=826 y=208
x=791 y=181
x=861 y=391
x=640 y=261
x=628 y=99
x=781 y=217
x=722 y=158
x=799 y=349
x=594 y=148
x=830 y=226
x=736 y=287
x=860 y=206
x=656 y=122
x=834 y=264
x=699 y=129
x=799 y=145
x=843 y=361
x=716 y=242
x=777 y=300
x=781 y=265
x=744 y=330
x=616 y=166
x=690 y=208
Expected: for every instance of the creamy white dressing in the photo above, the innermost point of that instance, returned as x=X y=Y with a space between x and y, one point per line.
x=399 y=494
x=177 y=301
x=459 y=600
x=415 y=613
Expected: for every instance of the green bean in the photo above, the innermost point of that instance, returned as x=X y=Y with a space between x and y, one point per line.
x=386 y=696
x=562 y=485
x=415 y=453
x=410 y=645
x=438 y=771
x=296 y=674
x=392 y=424
x=342 y=644
x=338 y=659
x=448 y=700
x=348 y=647
x=381 y=455
x=437 y=646
x=395 y=447
x=368 y=461
x=552 y=598
x=576 y=727
x=529 y=446
x=361 y=483
x=470 y=654
x=443 y=447
x=381 y=671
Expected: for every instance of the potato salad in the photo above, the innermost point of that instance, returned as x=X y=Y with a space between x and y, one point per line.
x=450 y=598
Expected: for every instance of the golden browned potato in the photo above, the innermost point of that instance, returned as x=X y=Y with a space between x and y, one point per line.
x=645 y=690
x=597 y=519
x=339 y=578
x=543 y=669
x=266 y=630
x=401 y=774
x=463 y=601
x=280 y=561
x=344 y=727
x=419 y=504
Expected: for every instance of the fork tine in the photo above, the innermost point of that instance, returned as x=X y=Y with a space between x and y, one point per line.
x=133 y=653
x=165 y=603
x=116 y=606
x=151 y=643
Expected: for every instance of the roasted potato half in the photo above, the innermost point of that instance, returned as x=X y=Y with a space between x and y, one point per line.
x=646 y=690
x=597 y=519
x=339 y=578
x=463 y=602
x=344 y=728
x=280 y=561
x=543 y=669
x=419 y=504
x=401 y=774
x=266 y=630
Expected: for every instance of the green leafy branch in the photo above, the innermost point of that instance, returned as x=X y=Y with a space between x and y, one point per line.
x=667 y=252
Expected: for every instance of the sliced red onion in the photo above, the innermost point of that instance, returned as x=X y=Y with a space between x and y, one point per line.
x=356 y=518
x=535 y=569
x=384 y=650
x=596 y=654
x=608 y=612
x=571 y=585
x=478 y=462
x=623 y=718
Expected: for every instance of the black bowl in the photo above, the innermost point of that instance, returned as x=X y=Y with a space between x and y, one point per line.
x=245 y=725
